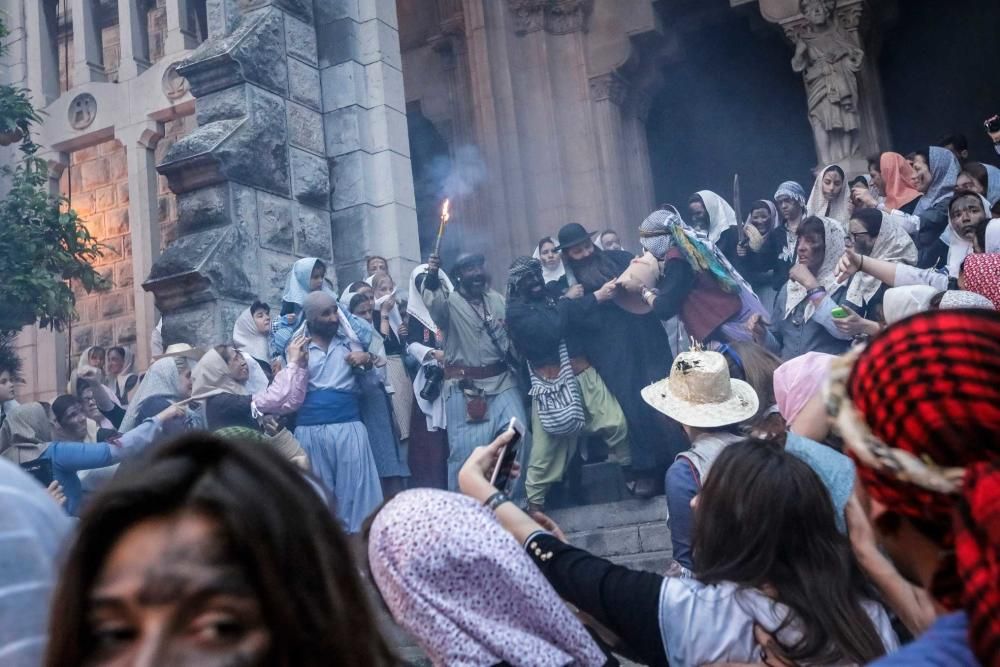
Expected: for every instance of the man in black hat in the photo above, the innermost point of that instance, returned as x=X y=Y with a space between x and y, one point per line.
x=629 y=352
x=480 y=392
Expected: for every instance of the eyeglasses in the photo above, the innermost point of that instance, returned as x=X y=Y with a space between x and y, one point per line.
x=854 y=235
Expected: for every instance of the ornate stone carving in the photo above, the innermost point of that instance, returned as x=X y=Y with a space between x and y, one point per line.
x=174 y=85
x=566 y=16
x=608 y=87
x=828 y=56
x=82 y=111
x=529 y=15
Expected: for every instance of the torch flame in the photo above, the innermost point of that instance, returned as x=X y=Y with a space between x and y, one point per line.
x=445 y=211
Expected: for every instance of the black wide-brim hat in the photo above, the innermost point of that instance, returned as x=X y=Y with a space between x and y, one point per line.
x=572 y=235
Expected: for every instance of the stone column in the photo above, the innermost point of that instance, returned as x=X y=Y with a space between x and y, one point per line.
x=43 y=67
x=87 y=56
x=607 y=94
x=140 y=143
x=132 y=37
x=364 y=118
x=177 y=37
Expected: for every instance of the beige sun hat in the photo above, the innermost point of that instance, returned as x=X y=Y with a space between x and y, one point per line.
x=700 y=393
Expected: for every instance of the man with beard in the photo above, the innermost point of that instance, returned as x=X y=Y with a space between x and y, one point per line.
x=329 y=423
x=629 y=352
x=539 y=326
x=480 y=391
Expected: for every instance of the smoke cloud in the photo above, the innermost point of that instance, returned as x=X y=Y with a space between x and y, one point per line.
x=458 y=175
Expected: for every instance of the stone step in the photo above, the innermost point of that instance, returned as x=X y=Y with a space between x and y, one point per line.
x=651 y=561
x=623 y=540
x=629 y=512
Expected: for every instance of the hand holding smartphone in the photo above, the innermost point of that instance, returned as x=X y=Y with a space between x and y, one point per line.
x=501 y=478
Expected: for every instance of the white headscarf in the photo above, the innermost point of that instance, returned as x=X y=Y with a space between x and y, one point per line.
x=721 y=215
x=297 y=287
x=835 y=239
x=898 y=303
x=162 y=379
x=837 y=208
x=211 y=376
x=892 y=244
x=416 y=307
x=395 y=317
x=248 y=339
x=549 y=275
x=959 y=248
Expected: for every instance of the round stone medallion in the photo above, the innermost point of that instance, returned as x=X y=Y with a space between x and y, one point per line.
x=82 y=111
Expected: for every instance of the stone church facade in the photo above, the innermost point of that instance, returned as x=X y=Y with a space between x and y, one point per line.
x=210 y=143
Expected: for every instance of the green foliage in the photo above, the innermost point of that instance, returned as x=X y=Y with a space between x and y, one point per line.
x=43 y=244
x=16 y=112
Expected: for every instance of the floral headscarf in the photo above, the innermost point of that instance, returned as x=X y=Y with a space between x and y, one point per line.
x=466 y=590
x=981 y=274
x=835 y=244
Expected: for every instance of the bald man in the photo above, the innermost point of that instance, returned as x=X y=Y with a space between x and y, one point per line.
x=329 y=421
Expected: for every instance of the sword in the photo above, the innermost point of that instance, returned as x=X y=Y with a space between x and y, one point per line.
x=740 y=222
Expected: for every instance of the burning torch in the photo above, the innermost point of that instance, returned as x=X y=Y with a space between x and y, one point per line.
x=445 y=216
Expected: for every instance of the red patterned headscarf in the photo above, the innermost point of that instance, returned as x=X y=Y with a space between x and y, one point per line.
x=928 y=388
x=981 y=274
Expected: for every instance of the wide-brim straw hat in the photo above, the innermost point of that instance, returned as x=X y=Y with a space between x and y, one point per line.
x=645 y=269
x=182 y=350
x=700 y=393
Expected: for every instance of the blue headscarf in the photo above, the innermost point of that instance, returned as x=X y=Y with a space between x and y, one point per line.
x=297 y=287
x=944 y=169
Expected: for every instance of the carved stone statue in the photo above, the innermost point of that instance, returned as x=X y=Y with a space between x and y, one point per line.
x=829 y=60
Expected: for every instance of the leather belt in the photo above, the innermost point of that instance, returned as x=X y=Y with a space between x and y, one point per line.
x=475 y=372
x=551 y=372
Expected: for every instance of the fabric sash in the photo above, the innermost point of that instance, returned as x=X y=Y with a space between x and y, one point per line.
x=329 y=406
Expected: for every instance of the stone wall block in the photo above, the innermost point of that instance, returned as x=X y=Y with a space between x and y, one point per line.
x=123 y=274
x=333 y=10
x=254 y=53
x=94 y=174
x=384 y=85
x=203 y=209
x=343 y=85
x=300 y=40
x=257 y=152
x=339 y=42
x=305 y=128
x=303 y=84
x=104 y=334
x=102 y=200
x=344 y=130
x=310 y=178
x=121 y=192
x=350 y=234
x=277 y=226
x=117 y=166
x=378 y=41
x=348 y=180
x=303 y=9
x=273 y=268
x=232 y=266
x=113 y=304
x=125 y=330
x=222 y=105
x=84 y=203
x=313 y=235
x=116 y=222
x=83 y=337
x=383 y=10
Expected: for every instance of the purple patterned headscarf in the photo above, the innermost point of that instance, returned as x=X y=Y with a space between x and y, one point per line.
x=466 y=590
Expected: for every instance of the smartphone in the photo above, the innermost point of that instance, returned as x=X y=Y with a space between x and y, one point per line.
x=502 y=480
x=839 y=313
x=40 y=469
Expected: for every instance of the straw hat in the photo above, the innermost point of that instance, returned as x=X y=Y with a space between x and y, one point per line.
x=182 y=350
x=645 y=269
x=700 y=393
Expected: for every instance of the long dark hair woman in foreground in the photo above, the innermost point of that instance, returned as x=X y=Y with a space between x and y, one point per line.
x=767 y=553
x=212 y=553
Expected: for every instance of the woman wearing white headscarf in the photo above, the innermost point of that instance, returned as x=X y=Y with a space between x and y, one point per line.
x=758 y=256
x=553 y=271
x=802 y=319
x=120 y=379
x=713 y=217
x=252 y=337
x=93 y=357
x=167 y=381
x=830 y=195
